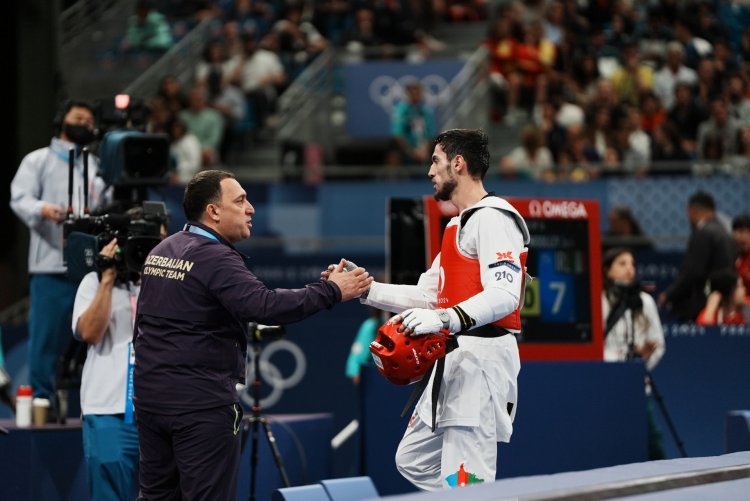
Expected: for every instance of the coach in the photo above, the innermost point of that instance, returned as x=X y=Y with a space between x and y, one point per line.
x=196 y=300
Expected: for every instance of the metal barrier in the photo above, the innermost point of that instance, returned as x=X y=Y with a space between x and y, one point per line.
x=179 y=61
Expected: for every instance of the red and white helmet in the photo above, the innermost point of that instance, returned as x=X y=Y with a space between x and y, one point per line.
x=403 y=359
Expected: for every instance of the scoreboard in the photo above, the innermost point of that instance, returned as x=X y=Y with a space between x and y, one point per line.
x=561 y=317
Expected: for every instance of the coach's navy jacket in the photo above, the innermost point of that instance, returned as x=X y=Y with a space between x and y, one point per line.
x=196 y=300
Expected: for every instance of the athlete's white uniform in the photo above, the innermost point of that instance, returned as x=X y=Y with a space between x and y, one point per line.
x=478 y=394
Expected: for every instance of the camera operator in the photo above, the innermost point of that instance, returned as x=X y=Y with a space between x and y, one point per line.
x=39 y=195
x=632 y=327
x=197 y=298
x=103 y=318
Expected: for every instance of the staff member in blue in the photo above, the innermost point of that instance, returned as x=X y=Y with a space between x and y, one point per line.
x=196 y=300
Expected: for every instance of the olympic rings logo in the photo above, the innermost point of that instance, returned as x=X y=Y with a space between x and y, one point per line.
x=271 y=374
x=386 y=91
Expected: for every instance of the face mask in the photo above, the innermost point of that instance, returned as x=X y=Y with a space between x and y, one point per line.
x=79 y=134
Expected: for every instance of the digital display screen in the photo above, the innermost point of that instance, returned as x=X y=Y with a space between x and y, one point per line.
x=557 y=307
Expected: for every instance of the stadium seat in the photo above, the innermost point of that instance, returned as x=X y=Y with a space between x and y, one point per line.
x=312 y=492
x=350 y=489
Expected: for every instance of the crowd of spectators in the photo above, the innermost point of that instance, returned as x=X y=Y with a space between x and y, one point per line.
x=624 y=87
x=613 y=87
x=256 y=48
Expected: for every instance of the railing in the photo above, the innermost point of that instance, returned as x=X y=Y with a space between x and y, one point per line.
x=308 y=105
x=77 y=21
x=178 y=61
x=469 y=95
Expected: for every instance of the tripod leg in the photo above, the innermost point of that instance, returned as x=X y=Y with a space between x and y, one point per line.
x=667 y=418
x=275 y=452
x=254 y=457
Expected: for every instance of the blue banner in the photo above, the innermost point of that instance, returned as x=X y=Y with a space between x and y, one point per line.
x=373 y=88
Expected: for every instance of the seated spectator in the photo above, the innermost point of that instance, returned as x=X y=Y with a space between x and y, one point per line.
x=505 y=80
x=148 y=30
x=261 y=76
x=253 y=17
x=635 y=147
x=685 y=116
x=719 y=126
x=230 y=101
x=413 y=125
x=673 y=71
x=666 y=147
x=334 y=18
x=738 y=103
x=171 y=91
x=205 y=123
x=726 y=300
x=696 y=48
x=632 y=77
x=599 y=130
x=583 y=77
x=738 y=164
x=653 y=113
x=709 y=87
x=185 y=150
x=158 y=115
x=535 y=58
x=299 y=40
x=361 y=42
x=530 y=160
x=214 y=61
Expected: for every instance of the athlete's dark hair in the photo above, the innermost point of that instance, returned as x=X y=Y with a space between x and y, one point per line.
x=203 y=189
x=470 y=144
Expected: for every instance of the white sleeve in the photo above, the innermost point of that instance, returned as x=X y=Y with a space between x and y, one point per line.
x=397 y=298
x=26 y=189
x=84 y=296
x=493 y=237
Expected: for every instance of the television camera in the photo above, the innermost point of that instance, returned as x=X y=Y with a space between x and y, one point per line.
x=137 y=231
x=131 y=162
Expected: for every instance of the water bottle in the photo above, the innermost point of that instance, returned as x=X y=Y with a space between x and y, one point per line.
x=23 y=406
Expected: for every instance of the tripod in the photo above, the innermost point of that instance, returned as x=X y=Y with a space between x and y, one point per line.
x=257 y=419
x=665 y=413
x=632 y=355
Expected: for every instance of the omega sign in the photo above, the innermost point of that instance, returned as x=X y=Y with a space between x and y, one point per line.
x=563 y=209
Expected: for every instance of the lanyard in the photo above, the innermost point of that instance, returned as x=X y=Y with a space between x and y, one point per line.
x=131 y=362
x=200 y=231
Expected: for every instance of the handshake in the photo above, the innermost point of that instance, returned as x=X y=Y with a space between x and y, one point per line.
x=352 y=280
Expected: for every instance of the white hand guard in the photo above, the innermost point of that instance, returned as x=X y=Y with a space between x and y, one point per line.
x=422 y=321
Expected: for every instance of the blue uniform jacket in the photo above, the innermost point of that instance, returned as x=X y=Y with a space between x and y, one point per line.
x=197 y=297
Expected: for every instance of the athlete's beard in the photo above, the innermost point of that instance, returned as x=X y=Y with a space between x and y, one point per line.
x=446 y=191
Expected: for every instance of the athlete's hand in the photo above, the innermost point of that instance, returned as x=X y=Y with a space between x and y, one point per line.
x=352 y=283
x=418 y=321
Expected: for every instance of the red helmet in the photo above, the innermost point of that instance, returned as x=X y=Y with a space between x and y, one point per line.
x=402 y=359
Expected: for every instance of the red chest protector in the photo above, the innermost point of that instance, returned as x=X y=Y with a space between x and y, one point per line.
x=460 y=278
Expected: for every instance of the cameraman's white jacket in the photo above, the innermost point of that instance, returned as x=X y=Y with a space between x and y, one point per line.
x=42 y=178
